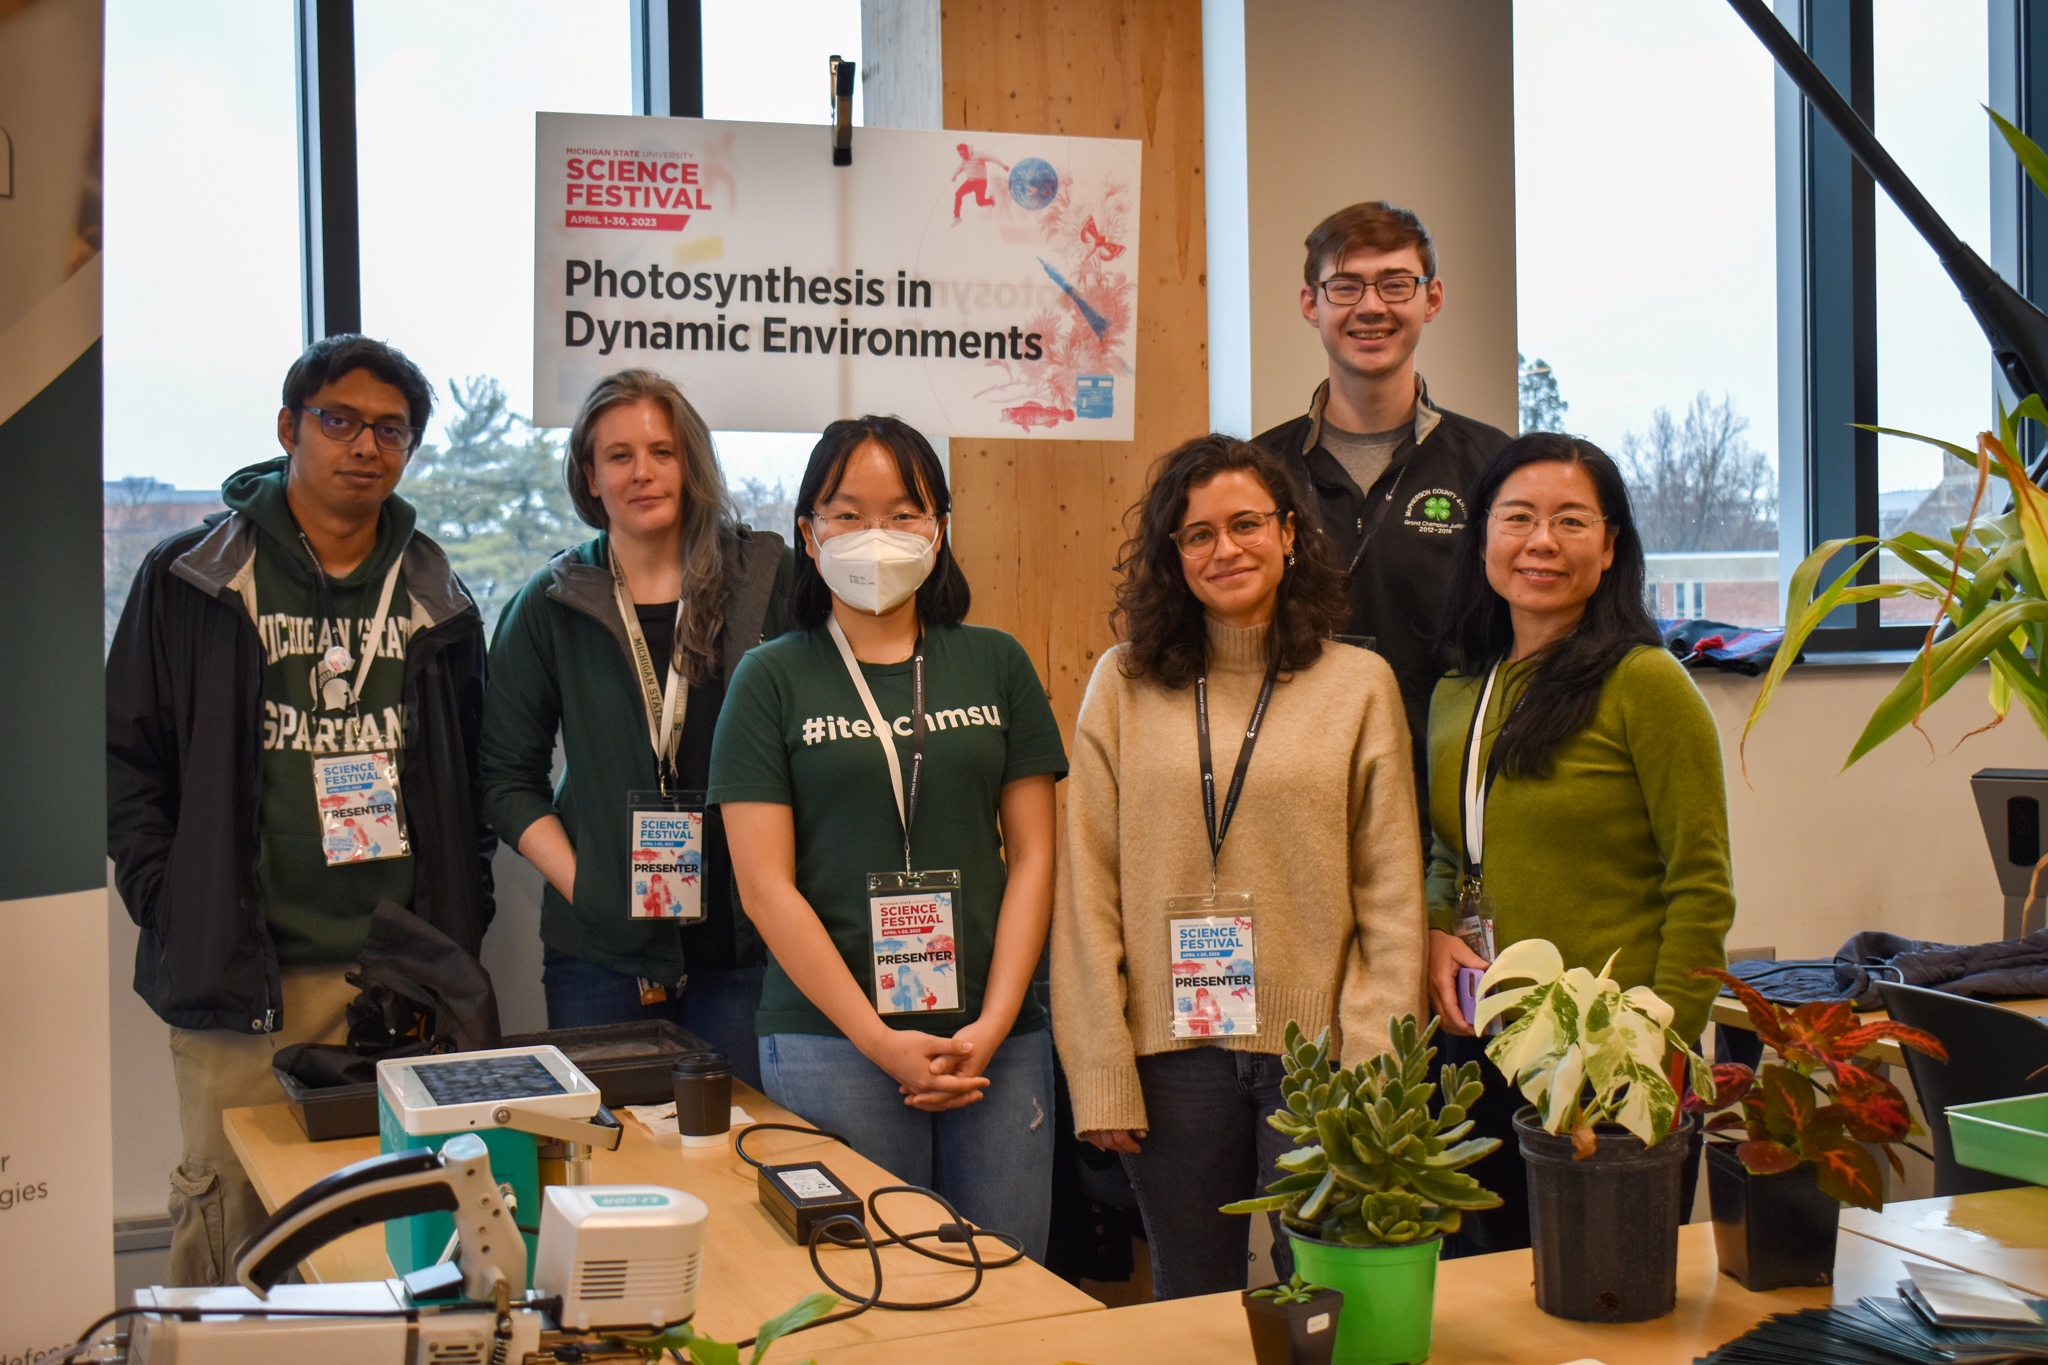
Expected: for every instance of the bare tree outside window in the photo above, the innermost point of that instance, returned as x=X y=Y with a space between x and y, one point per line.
x=766 y=506
x=1697 y=484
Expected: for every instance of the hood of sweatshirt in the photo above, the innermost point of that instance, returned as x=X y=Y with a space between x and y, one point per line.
x=257 y=493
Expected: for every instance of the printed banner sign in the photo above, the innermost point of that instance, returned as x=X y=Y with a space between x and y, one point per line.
x=973 y=284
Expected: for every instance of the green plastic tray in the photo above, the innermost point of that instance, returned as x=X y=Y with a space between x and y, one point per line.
x=2008 y=1137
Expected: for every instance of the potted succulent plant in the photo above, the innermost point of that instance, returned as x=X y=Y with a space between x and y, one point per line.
x=1594 y=1062
x=1293 y=1323
x=1807 y=1123
x=1374 y=1182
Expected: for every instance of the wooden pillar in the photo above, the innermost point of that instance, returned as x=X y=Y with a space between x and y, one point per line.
x=1037 y=524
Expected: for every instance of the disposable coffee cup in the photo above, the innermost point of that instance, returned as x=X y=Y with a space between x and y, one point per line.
x=703 y=1083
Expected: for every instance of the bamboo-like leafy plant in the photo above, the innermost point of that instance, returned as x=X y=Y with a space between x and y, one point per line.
x=1373 y=1165
x=1986 y=579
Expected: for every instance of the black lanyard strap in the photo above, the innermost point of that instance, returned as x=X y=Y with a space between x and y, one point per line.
x=1219 y=822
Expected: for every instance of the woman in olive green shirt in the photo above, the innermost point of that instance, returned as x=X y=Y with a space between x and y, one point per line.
x=1589 y=807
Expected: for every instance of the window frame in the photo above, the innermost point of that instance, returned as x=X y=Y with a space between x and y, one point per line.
x=668 y=78
x=1827 y=289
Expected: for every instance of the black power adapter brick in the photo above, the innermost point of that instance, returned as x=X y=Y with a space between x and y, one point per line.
x=803 y=1194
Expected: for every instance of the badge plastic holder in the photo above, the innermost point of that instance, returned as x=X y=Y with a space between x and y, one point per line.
x=916 y=964
x=666 y=878
x=1213 y=995
x=338 y=818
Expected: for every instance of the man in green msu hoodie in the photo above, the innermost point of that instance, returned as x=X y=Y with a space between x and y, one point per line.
x=293 y=700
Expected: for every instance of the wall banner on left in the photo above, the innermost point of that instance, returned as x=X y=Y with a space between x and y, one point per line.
x=56 y=1125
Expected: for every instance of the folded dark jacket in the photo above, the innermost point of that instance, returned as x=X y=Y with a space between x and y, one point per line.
x=2004 y=970
x=421 y=992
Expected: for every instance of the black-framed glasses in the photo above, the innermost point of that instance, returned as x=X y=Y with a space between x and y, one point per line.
x=1345 y=290
x=395 y=437
x=1248 y=530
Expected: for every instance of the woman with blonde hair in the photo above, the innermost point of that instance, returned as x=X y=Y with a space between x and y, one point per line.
x=623 y=645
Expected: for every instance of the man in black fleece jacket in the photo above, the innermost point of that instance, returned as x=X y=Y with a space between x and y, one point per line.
x=278 y=674
x=1388 y=469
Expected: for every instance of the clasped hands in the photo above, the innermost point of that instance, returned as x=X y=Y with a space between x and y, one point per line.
x=935 y=1073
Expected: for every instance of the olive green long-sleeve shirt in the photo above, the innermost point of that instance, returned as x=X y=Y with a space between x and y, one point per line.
x=1624 y=846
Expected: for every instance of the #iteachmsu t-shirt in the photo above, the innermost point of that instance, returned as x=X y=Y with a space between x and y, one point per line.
x=794 y=733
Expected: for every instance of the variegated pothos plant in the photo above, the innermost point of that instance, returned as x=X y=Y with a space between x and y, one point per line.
x=1582 y=1050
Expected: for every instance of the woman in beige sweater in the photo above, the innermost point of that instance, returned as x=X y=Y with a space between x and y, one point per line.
x=1168 y=1008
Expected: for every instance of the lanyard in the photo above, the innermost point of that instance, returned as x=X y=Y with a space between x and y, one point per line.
x=906 y=810
x=665 y=706
x=330 y=623
x=1396 y=470
x=1476 y=790
x=1219 y=825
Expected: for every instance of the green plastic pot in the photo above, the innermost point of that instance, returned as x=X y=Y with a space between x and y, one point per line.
x=1389 y=1297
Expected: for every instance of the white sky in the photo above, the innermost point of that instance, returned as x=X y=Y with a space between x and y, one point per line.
x=1646 y=201
x=1644 y=152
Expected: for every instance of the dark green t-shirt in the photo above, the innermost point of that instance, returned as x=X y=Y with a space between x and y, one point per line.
x=787 y=735
x=320 y=915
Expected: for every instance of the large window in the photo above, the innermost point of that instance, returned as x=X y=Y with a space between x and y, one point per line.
x=202 y=261
x=445 y=97
x=1646 y=221
x=1931 y=77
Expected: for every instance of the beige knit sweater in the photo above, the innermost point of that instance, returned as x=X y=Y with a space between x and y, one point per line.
x=1325 y=839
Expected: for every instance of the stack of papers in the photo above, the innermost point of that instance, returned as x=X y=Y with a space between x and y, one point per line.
x=1948 y=1297
x=1883 y=1332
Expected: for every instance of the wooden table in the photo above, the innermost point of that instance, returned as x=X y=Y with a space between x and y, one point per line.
x=1728 y=1013
x=2001 y=1233
x=1486 y=1314
x=752 y=1270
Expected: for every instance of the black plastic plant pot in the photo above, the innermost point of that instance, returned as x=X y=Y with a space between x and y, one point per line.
x=1605 y=1230
x=1294 y=1333
x=1771 y=1231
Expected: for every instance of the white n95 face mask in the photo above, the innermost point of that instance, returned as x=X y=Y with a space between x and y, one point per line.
x=874 y=569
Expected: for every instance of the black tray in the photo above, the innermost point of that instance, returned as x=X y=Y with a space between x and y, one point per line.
x=629 y=1062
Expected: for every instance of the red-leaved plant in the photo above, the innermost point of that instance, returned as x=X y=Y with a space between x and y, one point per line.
x=1816 y=1103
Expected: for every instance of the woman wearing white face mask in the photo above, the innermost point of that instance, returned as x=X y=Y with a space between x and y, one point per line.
x=886 y=778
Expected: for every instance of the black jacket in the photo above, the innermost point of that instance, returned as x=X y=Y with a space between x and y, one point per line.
x=1396 y=537
x=184 y=721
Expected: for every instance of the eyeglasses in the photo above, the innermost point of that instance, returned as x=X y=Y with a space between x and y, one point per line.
x=1345 y=290
x=395 y=437
x=1248 y=531
x=829 y=524
x=1564 y=525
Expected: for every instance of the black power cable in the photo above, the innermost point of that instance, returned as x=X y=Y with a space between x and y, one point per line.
x=955 y=1230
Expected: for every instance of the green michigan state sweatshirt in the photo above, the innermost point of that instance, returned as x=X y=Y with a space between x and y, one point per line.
x=320 y=915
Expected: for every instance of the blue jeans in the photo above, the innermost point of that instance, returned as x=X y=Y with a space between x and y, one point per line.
x=992 y=1159
x=1208 y=1145
x=716 y=1006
